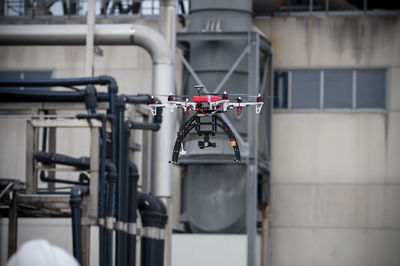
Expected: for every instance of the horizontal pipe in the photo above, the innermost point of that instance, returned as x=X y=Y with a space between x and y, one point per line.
x=31 y=95
x=13 y=95
x=47 y=158
x=75 y=34
x=102 y=80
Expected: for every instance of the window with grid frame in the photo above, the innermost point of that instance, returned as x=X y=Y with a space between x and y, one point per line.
x=330 y=89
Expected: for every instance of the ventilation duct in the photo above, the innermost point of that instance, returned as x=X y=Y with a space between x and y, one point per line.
x=214 y=199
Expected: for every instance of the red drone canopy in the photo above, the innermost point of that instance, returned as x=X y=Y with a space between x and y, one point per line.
x=206 y=99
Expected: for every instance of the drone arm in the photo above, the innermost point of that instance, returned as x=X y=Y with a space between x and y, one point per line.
x=231 y=137
x=244 y=104
x=154 y=107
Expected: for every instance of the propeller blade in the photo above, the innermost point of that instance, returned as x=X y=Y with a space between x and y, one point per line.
x=173 y=95
x=250 y=96
x=242 y=95
x=213 y=94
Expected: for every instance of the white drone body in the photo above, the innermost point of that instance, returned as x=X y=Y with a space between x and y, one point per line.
x=207 y=104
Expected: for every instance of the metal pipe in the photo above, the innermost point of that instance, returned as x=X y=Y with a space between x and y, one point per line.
x=90 y=21
x=164 y=73
x=121 y=237
x=133 y=177
x=161 y=149
x=163 y=187
x=75 y=202
x=132 y=194
x=154 y=219
x=167 y=21
x=104 y=34
x=116 y=34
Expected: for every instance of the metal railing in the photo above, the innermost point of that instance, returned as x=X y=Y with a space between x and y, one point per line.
x=15 y=9
x=78 y=8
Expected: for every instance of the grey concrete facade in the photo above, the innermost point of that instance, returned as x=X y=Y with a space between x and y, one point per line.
x=336 y=175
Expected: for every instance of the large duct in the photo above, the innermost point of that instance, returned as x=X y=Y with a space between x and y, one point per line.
x=214 y=195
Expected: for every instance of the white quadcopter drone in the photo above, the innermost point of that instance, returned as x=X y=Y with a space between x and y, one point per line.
x=209 y=105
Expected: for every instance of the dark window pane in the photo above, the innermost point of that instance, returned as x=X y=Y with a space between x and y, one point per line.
x=305 y=89
x=280 y=89
x=370 y=89
x=338 y=85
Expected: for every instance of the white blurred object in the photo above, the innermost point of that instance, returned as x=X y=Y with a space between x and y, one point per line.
x=39 y=252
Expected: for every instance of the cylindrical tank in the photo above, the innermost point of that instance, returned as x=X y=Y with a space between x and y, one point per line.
x=215 y=194
x=214 y=198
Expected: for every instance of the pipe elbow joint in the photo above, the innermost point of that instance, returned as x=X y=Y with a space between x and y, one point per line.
x=156 y=127
x=111 y=168
x=111 y=82
x=152 y=210
x=77 y=192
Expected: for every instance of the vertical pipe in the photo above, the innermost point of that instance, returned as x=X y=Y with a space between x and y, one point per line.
x=108 y=234
x=76 y=233
x=90 y=20
x=32 y=135
x=133 y=176
x=102 y=181
x=167 y=21
x=131 y=245
x=112 y=186
x=162 y=148
x=79 y=246
x=146 y=158
x=265 y=237
x=120 y=257
x=167 y=27
x=52 y=148
x=13 y=226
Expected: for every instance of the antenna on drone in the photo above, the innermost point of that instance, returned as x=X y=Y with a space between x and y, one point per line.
x=199 y=88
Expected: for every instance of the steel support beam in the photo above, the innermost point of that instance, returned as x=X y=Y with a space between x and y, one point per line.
x=251 y=160
x=32 y=135
x=233 y=67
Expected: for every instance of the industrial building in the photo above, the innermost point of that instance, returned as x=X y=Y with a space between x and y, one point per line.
x=318 y=180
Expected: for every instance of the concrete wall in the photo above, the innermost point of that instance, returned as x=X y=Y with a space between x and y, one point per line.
x=336 y=176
